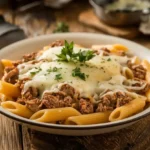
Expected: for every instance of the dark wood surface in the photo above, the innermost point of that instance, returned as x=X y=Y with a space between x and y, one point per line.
x=17 y=137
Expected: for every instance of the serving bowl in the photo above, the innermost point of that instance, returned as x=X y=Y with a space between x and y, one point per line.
x=16 y=50
x=118 y=17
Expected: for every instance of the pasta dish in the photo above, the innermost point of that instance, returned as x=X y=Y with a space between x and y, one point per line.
x=66 y=83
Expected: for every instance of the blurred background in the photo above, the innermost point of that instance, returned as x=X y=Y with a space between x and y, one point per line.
x=21 y=19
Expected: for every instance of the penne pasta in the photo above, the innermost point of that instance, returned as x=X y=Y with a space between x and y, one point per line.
x=135 y=60
x=17 y=109
x=4 y=97
x=6 y=63
x=119 y=47
x=127 y=73
x=148 y=95
x=53 y=115
x=86 y=119
x=127 y=110
x=146 y=65
x=9 y=89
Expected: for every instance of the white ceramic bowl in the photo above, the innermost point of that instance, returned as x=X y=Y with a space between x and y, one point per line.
x=16 y=50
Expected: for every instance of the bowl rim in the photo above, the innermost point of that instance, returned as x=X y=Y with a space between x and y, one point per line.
x=73 y=127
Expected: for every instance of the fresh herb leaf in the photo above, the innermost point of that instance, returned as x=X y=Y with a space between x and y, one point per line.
x=61 y=27
x=35 y=72
x=67 y=54
x=77 y=73
x=58 y=77
x=108 y=59
x=49 y=70
x=85 y=55
x=55 y=69
x=87 y=75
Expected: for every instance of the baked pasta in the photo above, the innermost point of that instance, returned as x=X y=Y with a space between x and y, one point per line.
x=65 y=83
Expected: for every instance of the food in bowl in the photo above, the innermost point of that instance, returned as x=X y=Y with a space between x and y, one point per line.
x=128 y=5
x=66 y=83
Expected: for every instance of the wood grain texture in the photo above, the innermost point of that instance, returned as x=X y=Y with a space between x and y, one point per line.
x=126 y=32
x=135 y=137
x=10 y=135
x=15 y=137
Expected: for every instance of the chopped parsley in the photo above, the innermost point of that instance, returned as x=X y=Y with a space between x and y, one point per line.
x=55 y=69
x=35 y=72
x=58 y=77
x=61 y=27
x=68 y=55
x=77 y=73
x=87 y=75
x=109 y=59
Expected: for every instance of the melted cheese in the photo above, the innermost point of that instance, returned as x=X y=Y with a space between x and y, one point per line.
x=99 y=70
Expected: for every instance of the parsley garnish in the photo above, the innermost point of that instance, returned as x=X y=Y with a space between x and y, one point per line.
x=55 y=69
x=35 y=72
x=61 y=27
x=67 y=54
x=108 y=59
x=85 y=55
x=58 y=77
x=77 y=73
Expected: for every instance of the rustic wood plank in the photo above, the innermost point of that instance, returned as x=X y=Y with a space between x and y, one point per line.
x=26 y=138
x=135 y=137
x=94 y=21
x=10 y=135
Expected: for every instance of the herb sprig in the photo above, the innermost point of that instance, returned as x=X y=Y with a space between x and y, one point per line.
x=77 y=73
x=67 y=54
x=35 y=72
x=61 y=27
x=58 y=77
x=83 y=56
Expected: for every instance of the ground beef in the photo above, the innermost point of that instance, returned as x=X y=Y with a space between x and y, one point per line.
x=108 y=102
x=103 y=50
x=121 y=53
x=29 y=57
x=122 y=99
x=111 y=101
x=57 y=100
x=17 y=62
x=57 y=43
x=31 y=93
x=141 y=83
x=69 y=90
x=86 y=106
x=34 y=104
x=11 y=75
x=138 y=70
x=8 y=69
x=20 y=83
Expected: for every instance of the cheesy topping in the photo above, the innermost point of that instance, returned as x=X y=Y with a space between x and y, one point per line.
x=93 y=75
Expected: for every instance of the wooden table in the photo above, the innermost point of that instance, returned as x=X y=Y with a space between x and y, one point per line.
x=16 y=137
